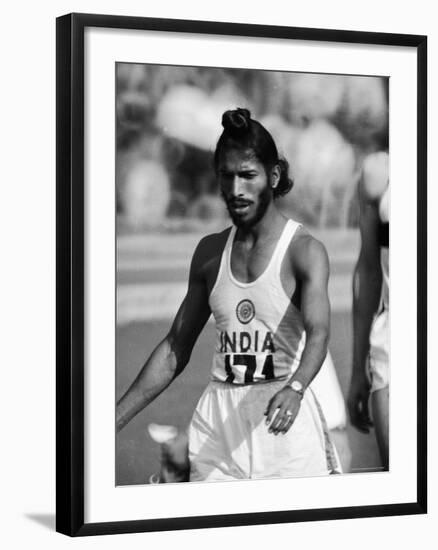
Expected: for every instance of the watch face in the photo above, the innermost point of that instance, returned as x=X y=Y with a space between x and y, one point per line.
x=297 y=386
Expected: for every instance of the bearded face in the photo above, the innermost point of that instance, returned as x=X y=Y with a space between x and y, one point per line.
x=244 y=186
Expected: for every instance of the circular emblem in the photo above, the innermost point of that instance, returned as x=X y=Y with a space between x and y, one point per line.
x=245 y=311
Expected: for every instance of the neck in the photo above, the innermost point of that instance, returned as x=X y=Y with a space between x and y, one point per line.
x=269 y=224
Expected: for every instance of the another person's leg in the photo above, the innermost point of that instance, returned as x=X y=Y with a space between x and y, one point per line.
x=380 y=408
x=379 y=377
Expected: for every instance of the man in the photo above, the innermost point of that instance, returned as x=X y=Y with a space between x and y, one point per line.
x=265 y=281
x=371 y=307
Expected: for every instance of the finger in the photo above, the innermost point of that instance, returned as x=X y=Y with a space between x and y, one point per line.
x=271 y=411
x=286 y=423
x=360 y=418
x=282 y=418
x=358 y=422
x=290 y=416
x=278 y=420
x=268 y=406
x=271 y=405
x=271 y=422
x=363 y=428
x=366 y=413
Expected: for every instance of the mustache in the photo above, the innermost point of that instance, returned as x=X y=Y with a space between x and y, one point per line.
x=237 y=202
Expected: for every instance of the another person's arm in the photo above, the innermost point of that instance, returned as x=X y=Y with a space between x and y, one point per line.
x=367 y=281
x=171 y=356
x=311 y=268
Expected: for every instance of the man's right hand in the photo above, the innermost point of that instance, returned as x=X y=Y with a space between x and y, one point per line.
x=358 y=400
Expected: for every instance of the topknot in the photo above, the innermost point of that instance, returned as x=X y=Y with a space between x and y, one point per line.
x=236 y=122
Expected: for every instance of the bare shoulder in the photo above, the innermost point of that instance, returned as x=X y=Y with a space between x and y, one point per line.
x=308 y=254
x=209 y=249
x=375 y=175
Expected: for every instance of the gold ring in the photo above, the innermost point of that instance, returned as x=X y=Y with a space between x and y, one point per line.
x=289 y=413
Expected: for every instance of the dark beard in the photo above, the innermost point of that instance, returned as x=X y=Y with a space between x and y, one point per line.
x=264 y=200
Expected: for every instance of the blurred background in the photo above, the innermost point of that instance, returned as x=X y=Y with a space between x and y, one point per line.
x=168 y=123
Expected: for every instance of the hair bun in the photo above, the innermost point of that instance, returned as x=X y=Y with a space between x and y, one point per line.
x=236 y=121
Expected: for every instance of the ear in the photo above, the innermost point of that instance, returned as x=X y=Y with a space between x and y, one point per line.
x=275 y=176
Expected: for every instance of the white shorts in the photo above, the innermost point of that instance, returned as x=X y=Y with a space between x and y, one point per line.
x=378 y=364
x=229 y=438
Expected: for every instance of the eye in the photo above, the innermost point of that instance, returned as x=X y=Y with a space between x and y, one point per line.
x=248 y=175
x=224 y=175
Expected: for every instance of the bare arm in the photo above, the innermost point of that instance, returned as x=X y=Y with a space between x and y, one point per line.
x=171 y=356
x=312 y=269
x=367 y=278
x=367 y=281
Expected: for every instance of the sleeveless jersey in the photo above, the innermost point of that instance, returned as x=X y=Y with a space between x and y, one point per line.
x=259 y=332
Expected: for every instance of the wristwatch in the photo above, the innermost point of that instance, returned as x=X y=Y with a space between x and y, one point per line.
x=297 y=387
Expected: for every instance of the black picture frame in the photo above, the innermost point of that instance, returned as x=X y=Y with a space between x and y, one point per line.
x=70 y=272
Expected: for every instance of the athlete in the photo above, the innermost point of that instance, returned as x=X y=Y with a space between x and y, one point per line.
x=265 y=282
x=370 y=374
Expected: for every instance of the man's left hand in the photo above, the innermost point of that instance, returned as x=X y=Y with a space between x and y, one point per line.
x=287 y=404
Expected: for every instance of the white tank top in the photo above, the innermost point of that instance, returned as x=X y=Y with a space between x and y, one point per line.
x=259 y=332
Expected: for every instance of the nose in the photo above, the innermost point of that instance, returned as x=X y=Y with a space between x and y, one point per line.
x=236 y=186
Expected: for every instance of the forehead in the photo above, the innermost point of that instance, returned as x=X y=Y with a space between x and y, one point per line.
x=238 y=159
